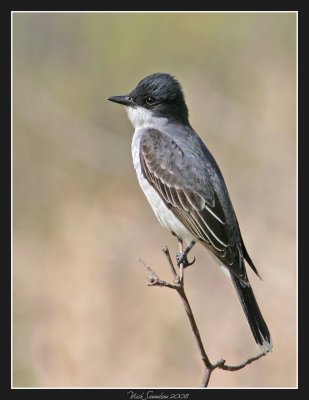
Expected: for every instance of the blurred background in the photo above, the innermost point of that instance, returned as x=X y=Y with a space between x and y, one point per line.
x=83 y=314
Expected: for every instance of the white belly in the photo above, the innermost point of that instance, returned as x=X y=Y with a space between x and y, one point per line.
x=164 y=215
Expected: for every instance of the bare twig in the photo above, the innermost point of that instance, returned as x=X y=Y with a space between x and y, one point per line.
x=178 y=285
x=170 y=262
x=153 y=278
x=222 y=365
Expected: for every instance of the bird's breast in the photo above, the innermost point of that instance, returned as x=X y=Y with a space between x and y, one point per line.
x=163 y=213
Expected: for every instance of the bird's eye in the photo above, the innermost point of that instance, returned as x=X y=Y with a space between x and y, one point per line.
x=150 y=100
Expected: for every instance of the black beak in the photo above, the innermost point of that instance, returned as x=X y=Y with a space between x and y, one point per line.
x=124 y=100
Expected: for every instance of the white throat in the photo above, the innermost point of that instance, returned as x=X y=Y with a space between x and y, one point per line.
x=142 y=118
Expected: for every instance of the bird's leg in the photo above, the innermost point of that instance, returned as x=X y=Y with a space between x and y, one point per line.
x=181 y=257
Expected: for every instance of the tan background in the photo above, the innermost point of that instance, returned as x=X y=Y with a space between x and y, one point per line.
x=83 y=315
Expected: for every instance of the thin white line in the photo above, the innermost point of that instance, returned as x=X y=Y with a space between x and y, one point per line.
x=203 y=231
x=154 y=12
x=211 y=212
x=296 y=109
x=296 y=112
x=225 y=245
x=155 y=389
x=11 y=199
x=200 y=230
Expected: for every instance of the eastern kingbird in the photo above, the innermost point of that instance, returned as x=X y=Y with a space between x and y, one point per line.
x=185 y=187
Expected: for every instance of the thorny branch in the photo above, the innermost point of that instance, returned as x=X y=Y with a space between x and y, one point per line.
x=178 y=285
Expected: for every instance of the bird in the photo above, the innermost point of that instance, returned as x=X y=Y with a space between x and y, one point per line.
x=185 y=187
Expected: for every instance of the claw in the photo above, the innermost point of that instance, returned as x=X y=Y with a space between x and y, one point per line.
x=189 y=263
x=182 y=259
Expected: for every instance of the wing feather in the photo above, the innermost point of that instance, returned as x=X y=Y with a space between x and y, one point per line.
x=190 y=194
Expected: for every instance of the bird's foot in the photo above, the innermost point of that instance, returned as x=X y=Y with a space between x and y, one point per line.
x=183 y=259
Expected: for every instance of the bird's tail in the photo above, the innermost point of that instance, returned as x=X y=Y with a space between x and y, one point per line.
x=255 y=319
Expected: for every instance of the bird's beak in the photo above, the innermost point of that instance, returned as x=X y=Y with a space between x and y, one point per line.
x=124 y=100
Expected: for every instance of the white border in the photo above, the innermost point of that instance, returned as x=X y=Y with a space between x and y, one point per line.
x=296 y=210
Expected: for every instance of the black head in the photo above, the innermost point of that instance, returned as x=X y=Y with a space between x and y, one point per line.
x=161 y=93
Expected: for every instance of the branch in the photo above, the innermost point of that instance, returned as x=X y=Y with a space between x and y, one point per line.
x=178 y=285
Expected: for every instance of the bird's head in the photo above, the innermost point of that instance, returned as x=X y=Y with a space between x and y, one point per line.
x=157 y=96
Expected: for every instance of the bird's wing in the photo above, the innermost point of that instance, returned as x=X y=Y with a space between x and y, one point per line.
x=184 y=183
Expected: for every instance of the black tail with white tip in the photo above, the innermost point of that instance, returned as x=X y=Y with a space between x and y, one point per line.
x=255 y=319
